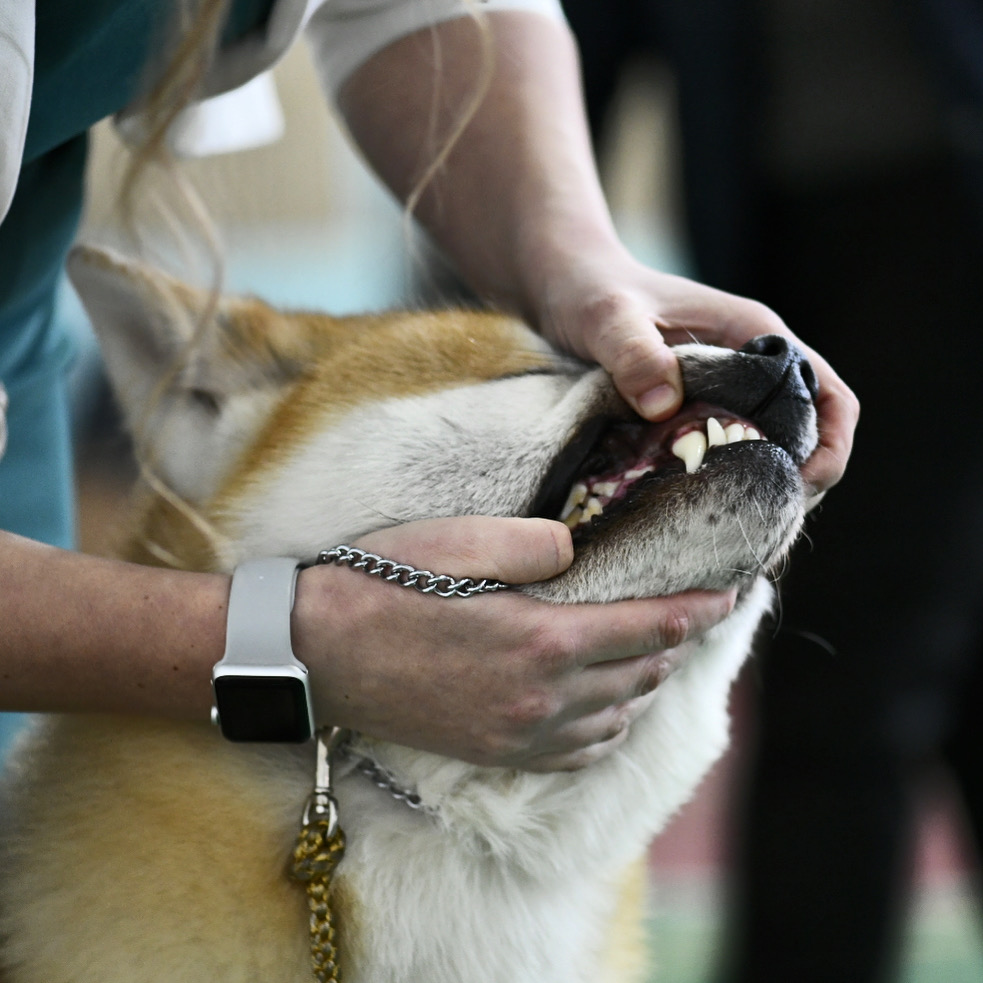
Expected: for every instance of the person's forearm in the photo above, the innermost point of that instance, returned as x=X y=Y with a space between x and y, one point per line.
x=519 y=209
x=499 y=214
x=81 y=633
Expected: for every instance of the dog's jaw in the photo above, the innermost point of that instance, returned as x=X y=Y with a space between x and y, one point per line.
x=509 y=877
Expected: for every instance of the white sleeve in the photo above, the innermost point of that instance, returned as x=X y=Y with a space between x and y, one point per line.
x=345 y=33
x=16 y=78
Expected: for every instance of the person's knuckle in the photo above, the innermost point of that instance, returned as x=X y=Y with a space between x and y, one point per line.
x=530 y=710
x=585 y=757
x=501 y=748
x=620 y=721
x=675 y=628
x=576 y=760
x=551 y=650
x=607 y=309
x=765 y=320
x=654 y=671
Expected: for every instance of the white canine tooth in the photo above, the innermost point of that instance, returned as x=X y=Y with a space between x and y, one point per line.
x=715 y=433
x=751 y=434
x=592 y=508
x=605 y=488
x=734 y=433
x=577 y=494
x=572 y=520
x=690 y=448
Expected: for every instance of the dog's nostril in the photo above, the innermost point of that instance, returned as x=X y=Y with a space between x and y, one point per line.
x=768 y=345
x=785 y=358
x=808 y=374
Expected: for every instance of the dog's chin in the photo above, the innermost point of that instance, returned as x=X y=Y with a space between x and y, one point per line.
x=716 y=528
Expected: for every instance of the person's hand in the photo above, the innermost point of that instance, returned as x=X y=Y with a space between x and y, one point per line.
x=518 y=208
x=604 y=306
x=495 y=679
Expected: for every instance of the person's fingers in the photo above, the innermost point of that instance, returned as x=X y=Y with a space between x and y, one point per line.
x=516 y=551
x=600 y=717
x=723 y=319
x=838 y=411
x=602 y=633
x=695 y=312
x=587 y=740
x=598 y=727
x=626 y=342
x=575 y=760
x=619 y=683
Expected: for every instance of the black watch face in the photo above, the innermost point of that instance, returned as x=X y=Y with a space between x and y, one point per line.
x=256 y=708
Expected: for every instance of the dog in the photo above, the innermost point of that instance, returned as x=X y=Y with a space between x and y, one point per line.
x=149 y=851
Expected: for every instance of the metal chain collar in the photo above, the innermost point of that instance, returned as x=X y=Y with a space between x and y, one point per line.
x=404 y=575
x=381 y=778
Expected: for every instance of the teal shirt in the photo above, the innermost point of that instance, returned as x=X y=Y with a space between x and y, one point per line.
x=90 y=62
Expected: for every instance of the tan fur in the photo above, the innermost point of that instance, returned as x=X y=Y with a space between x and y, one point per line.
x=348 y=371
x=155 y=851
x=626 y=957
x=210 y=803
x=425 y=352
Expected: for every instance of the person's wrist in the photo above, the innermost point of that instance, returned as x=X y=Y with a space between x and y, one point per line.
x=325 y=601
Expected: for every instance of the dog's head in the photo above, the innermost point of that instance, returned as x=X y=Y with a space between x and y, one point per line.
x=293 y=432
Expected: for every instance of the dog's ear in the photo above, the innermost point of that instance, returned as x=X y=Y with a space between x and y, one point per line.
x=142 y=318
x=157 y=333
x=185 y=365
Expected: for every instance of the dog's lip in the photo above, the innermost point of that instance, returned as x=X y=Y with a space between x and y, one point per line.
x=609 y=450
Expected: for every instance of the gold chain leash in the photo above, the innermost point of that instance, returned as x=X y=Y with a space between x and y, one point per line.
x=320 y=847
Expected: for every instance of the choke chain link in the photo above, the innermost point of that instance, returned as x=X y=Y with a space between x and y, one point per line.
x=404 y=575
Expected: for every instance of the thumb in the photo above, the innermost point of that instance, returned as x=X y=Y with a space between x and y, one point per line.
x=641 y=364
x=516 y=551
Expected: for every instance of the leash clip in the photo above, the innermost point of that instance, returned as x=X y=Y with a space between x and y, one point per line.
x=322 y=806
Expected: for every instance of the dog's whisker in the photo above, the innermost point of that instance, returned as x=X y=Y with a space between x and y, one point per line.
x=348 y=425
x=760 y=563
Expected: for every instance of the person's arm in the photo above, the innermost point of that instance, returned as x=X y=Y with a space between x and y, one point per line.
x=83 y=633
x=519 y=208
x=499 y=679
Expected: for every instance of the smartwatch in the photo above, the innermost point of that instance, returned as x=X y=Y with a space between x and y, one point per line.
x=261 y=690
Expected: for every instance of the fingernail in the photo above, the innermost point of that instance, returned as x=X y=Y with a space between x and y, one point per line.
x=660 y=401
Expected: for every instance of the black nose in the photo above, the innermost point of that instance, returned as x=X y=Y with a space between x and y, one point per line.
x=786 y=365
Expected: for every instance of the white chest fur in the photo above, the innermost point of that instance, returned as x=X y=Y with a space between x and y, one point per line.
x=509 y=877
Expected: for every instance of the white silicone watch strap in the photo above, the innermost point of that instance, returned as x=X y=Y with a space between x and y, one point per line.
x=260 y=602
x=259 y=668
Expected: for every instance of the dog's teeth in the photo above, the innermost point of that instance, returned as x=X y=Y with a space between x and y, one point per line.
x=572 y=520
x=734 y=433
x=715 y=433
x=592 y=508
x=605 y=489
x=690 y=448
x=751 y=434
x=576 y=497
x=635 y=473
